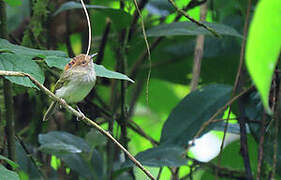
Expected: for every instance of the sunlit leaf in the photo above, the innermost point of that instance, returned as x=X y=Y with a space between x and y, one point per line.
x=13 y=2
x=189 y=115
x=190 y=29
x=264 y=45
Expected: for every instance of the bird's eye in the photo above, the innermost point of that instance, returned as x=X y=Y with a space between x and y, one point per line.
x=69 y=64
x=83 y=62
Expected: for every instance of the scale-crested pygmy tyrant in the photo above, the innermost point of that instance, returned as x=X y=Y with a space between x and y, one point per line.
x=76 y=81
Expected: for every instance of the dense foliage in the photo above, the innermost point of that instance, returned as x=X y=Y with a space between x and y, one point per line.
x=201 y=88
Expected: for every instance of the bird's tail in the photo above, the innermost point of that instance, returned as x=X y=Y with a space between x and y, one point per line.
x=50 y=111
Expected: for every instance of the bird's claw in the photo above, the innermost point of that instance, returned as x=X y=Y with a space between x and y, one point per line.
x=81 y=116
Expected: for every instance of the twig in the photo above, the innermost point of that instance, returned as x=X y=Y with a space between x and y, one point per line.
x=89 y=26
x=103 y=41
x=8 y=96
x=147 y=48
x=242 y=121
x=198 y=52
x=159 y=173
x=207 y=123
x=182 y=12
x=134 y=126
x=276 y=110
x=78 y=114
x=223 y=171
x=136 y=16
x=261 y=147
x=67 y=36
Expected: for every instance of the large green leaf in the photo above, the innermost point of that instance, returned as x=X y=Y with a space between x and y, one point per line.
x=24 y=51
x=78 y=164
x=10 y=162
x=59 y=142
x=21 y=63
x=190 y=29
x=119 y=17
x=172 y=156
x=189 y=115
x=264 y=45
x=101 y=71
x=26 y=163
x=7 y=174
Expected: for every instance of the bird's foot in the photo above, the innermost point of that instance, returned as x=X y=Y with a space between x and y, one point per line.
x=81 y=116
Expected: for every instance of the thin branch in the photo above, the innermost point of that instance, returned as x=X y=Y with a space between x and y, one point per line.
x=8 y=93
x=261 y=147
x=219 y=111
x=136 y=16
x=103 y=41
x=223 y=171
x=182 y=12
x=147 y=48
x=199 y=51
x=79 y=115
x=242 y=120
x=276 y=109
x=135 y=127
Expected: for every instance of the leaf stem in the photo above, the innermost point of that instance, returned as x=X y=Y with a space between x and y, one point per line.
x=182 y=12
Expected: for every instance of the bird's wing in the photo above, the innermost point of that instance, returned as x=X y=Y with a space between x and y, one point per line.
x=63 y=80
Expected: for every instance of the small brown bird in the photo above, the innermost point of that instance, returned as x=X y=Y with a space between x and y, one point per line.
x=76 y=81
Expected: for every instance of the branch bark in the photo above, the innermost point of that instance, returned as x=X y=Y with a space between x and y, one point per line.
x=199 y=50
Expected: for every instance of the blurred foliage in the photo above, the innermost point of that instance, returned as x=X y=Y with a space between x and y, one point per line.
x=154 y=118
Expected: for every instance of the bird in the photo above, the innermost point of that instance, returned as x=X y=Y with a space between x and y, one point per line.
x=75 y=82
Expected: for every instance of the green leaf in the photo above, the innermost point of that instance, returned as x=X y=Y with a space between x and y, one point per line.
x=190 y=29
x=59 y=148
x=119 y=17
x=24 y=51
x=263 y=46
x=26 y=164
x=13 y=2
x=172 y=156
x=10 y=162
x=97 y=164
x=7 y=174
x=57 y=62
x=101 y=71
x=63 y=141
x=21 y=63
x=95 y=138
x=195 y=109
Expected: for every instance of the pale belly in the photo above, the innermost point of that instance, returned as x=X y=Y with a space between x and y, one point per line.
x=75 y=91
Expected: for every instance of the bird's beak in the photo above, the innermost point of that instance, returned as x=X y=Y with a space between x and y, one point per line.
x=93 y=55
